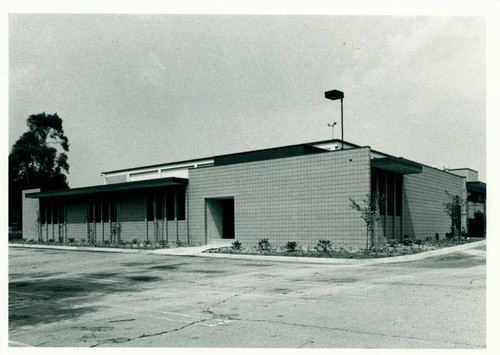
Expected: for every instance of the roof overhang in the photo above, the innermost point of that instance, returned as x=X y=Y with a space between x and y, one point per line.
x=397 y=165
x=100 y=189
x=476 y=186
x=267 y=154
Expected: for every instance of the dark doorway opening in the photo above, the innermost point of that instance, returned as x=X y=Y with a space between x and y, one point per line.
x=228 y=219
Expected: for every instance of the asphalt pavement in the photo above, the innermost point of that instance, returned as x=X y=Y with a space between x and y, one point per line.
x=62 y=298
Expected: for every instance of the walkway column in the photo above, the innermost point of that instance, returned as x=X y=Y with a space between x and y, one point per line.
x=94 y=239
x=102 y=220
x=165 y=215
x=394 y=207
x=386 y=208
x=65 y=212
x=109 y=221
x=46 y=222
x=176 y=210
x=155 y=221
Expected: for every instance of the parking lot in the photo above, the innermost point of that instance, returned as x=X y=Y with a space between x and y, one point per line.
x=91 y=299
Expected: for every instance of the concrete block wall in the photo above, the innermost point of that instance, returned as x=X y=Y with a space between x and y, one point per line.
x=171 y=231
x=78 y=231
x=303 y=199
x=133 y=230
x=183 y=232
x=99 y=231
x=423 y=198
x=31 y=209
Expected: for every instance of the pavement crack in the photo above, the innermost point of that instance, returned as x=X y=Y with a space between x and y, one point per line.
x=209 y=311
x=170 y=330
x=359 y=332
x=126 y=340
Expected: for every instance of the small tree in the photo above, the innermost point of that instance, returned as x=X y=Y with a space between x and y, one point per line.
x=369 y=212
x=453 y=208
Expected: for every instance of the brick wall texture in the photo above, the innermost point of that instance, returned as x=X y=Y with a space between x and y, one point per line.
x=303 y=199
x=423 y=198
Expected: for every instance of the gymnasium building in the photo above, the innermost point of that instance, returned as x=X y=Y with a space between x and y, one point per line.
x=298 y=193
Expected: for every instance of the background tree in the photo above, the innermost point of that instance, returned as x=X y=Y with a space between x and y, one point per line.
x=453 y=208
x=38 y=159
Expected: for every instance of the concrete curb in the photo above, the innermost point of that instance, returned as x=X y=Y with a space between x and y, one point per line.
x=181 y=251
x=308 y=260
x=70 y=248
x=198 y=252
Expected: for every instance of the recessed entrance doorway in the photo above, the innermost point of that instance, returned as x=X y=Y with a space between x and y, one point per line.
x=219 y=219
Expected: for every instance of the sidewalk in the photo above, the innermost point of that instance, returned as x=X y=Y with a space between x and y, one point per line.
x=199 y=252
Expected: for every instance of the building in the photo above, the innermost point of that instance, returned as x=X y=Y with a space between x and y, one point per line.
x=296 y=193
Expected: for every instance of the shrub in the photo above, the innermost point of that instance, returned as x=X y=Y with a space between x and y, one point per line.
x=324 y=245
x=163 y=243
x=147 y=242
x=236 y=245
x=408 y=242
x=179 y=243
x=71 y=240
x=291 y=246
x=134 y=241
x=437 y=236
x=264 y=244
x=418 y=242
x=393 y=243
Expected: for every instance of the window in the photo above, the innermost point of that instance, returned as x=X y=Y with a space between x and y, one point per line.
x=181 y=205
x=170 y=206
x=390 y=195
x=49 y=213
x=55 y=214
x=149 y=206
x=399 y=197
x=97 y=211
x=159 y=206
x=105 y=210
x=42 y=211
x=114 y=210
x=382 y=196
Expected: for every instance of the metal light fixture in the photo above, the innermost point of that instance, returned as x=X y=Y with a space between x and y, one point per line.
x=335 y=95
x=332 y=125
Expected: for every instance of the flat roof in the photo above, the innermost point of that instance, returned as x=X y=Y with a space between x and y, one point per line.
x=462 y=169
x=123 y=186
x=397 y=165
x=407 y=163
x=225 y=155
x=476 y=186
x=267 y=154
x=156 y=165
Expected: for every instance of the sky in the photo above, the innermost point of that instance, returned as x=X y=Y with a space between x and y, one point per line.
x=137 y=90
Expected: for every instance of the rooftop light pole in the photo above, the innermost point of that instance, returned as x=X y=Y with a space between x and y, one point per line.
x=332 y=125
x=335 y=95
